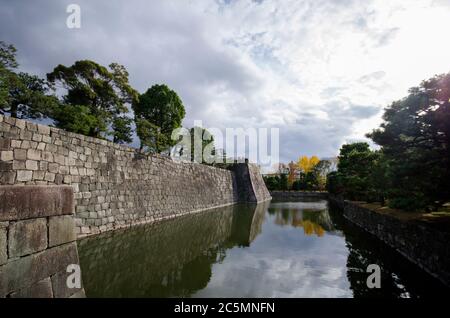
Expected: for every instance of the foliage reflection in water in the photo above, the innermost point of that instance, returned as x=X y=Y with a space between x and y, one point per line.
x=281 y=249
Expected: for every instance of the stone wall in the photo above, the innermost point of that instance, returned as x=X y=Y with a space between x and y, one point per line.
x=298 y=195
x=250 y=186
x=423 y=245
x=37 y=241
x=116 y=186
x=257 y=184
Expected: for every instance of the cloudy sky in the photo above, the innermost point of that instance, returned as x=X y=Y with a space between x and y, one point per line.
x=319 y=70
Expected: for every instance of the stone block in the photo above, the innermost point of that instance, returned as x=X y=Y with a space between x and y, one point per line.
x=38 y=175
x=53 y=167
x=67 y=179
x=50 y=177
x=42 y=289
x=51 y=148
x=85 y=230
x=33 y=268
x=4 y=127
x=26 y=202
x=6 y=155
x=59 y=285
x=3 y=242
x=61 y=230
x=73 y=154
x=5 y=166
x=31 y=126
x=45 y=130
x=18 y=165
x=47 y=156
x=31 y=165
x=74 y=171
x=20 y=154
x=43 y=165
x=10 y=120
x=26 y=135
x=59 y=178
x=33 y=154
x=20 y=123
x=46 y=139
x=7 y=177
x=79 y=294
x=27 y=237
x=37 y=137
x=16 y=143
x=41 y=146
x=24 y=175
x=59 y=159
x=5 y=143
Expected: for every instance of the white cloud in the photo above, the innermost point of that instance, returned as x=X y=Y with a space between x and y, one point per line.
x=320 y=70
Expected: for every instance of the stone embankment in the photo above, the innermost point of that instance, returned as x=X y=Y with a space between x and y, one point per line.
x=37 y=242
x=298 y=195
x=422 y=244
x=116 y=186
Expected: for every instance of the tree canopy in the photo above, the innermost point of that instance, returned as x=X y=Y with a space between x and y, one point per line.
x=307 y=164
x=161 y=110
x=22 y=95
x=100 y=94
x=415 y=140
x=412 y=168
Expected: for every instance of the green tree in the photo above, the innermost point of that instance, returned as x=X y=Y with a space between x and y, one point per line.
x=152 y=140
x=104 y=93
x=334 y=183
x=163 y=109
x=320 y=172
x=378 y=179
x=121 y=130
x=7 y=64
x=298 y=185
x=356 y=162
x=27 y=97
x=8 y=56
x=272 y=182
x=283 y=182
x=75 y=118
x=22 y=95
x=308 y=181
x=415 y=140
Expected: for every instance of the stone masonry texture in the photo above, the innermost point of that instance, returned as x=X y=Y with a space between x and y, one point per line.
x=423 y=245
x=37 y=241
x=114 y=186
x=27 y=237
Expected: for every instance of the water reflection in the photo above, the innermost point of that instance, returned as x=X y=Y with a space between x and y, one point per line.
x=400 y=278
x=285 y=249
x=167 y=259
x=313 y=217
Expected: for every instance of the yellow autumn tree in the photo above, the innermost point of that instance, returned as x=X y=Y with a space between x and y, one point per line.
x=307 y=164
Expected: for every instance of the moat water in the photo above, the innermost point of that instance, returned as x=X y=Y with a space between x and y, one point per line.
x=276 y=249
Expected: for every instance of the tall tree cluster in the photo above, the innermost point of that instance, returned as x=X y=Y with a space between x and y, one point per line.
x=98 y=95
x=22 y=95
x=93 y=100
x=158 y=112
x=412 y=168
